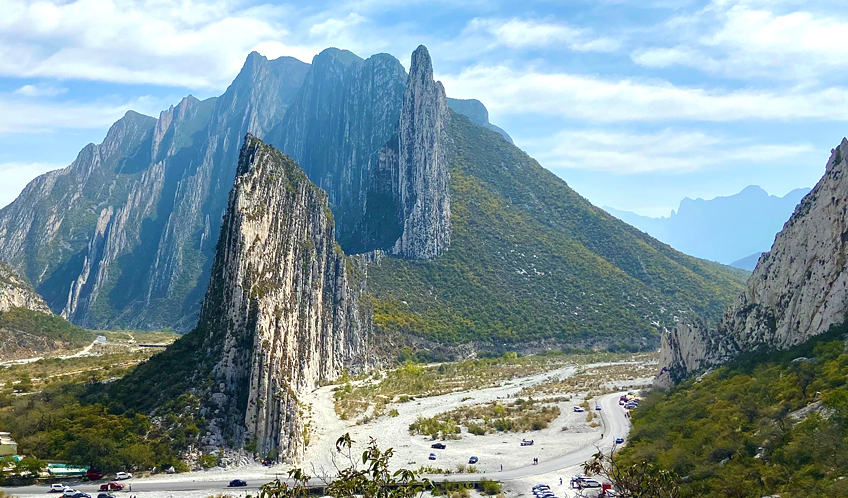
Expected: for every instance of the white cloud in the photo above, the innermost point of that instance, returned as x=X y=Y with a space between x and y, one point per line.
x=592 y=98
x=23 y=116
x=40 y=90
x=192 y=44
x=532 y=33
x=17 y=175
x=744 y=39
x=667 y=151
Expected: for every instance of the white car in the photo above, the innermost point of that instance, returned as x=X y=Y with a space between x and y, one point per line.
x=120 y=476
x=57 y=488
x=69 y=492
x=578 y=409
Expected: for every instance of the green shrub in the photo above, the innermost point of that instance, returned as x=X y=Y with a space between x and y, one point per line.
x=208 y=461
x=490 y=487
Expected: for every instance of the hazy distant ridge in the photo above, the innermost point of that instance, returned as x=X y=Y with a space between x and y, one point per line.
x=725 y=229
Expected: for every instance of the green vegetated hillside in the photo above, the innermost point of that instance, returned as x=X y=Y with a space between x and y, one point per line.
x=55 y=424
x=53 y=328
x=741 y=430
x=531 y=259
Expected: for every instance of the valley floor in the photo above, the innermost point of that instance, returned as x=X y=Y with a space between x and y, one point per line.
x=559 y=450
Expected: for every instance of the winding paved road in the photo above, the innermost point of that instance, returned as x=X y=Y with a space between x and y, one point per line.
x=615 y=425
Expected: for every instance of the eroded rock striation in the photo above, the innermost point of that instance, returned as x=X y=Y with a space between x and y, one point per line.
x=282 y=307
x=798 y=290
x=125 y=235
x=15 y=292
x=418 y=162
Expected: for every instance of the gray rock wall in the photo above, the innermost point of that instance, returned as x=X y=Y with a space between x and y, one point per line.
x=420 y=169
x=17 y=293
x=282 y=299
x=798 y=290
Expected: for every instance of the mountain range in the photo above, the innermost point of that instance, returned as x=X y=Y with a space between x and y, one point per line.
x=732 y=230
x=468 y=240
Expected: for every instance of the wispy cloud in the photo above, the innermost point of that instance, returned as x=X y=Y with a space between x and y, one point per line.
x=536 y=33
x=24 y=116
x=191 y=44
x=40 y=90
x=669 y=150
x=745 y=39
x=597 y=99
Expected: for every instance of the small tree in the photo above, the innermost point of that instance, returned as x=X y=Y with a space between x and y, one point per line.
x=374 y=480
x=641 y=480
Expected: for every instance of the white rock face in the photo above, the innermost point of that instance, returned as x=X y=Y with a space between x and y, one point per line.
x=421 y=177
x=17 y=293
x=282 y=303
x=798 y=290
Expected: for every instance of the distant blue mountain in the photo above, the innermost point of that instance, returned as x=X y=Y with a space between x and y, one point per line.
x=729 y=229
x=748 y=262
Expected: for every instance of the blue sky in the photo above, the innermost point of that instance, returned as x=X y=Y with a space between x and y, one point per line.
x=636 y=104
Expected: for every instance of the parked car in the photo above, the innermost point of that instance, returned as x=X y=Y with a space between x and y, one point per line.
x=619 y=440
x=541 y=486
x=438 y=446
x=598 y=407
x=432 y=456
x=630 y=405
x=235 y=483
x=472 y=460
x=80 y=494
x=111 y=486
x=526 y=442
x=579 y=409
x=69 y=492
x=120 y=476
x=57 y=487
x=94 y=475
x=588 y=483
x=105 y=495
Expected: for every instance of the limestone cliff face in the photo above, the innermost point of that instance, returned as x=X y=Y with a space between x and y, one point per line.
x=418 y=162
x=282 y=304
x=17 y=293
x=347 y=109
x=798 y=290
x=124 y=236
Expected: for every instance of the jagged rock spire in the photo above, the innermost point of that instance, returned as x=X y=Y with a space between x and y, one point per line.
x=422 y=174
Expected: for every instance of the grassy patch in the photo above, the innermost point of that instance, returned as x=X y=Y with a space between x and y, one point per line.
x=521 y=415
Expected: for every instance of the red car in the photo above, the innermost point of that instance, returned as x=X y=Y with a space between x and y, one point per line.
x=111 y=486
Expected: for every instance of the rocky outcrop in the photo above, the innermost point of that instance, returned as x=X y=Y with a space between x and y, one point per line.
x=418 y=164
x=474 y=110
x=798 y=290
x=17 y=293
x=282 y=305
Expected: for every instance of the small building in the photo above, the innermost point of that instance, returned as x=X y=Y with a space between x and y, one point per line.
x=65 y=470
x=8 y=446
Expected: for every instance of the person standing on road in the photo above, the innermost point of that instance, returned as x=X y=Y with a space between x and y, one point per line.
x=560 y=481
x=501 y=467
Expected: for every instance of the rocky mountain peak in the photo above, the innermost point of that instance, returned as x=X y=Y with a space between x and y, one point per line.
x=282 y=304
x=798 y=290
x=421 y=174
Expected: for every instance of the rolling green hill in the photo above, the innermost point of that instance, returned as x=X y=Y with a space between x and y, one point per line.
x=531 y=259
